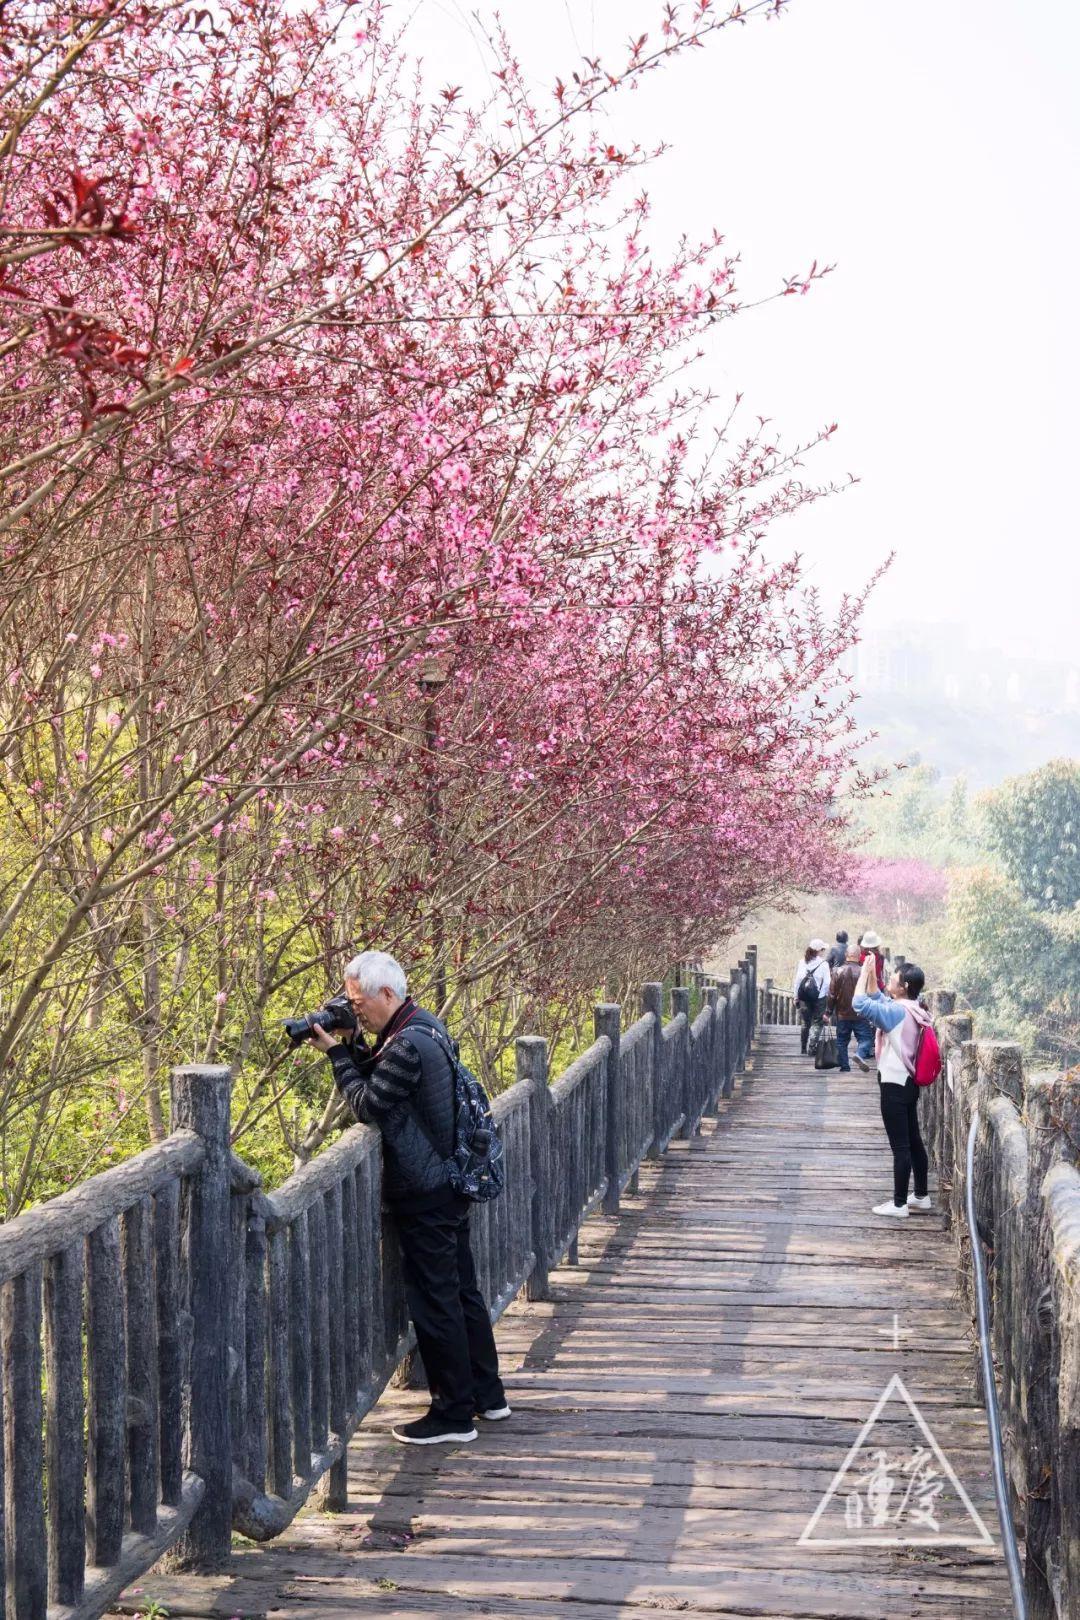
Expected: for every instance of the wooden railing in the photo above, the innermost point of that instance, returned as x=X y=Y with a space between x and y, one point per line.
x=776 y=1006
x=132 y=1259
x=235 y=1338
x=1027 y=1201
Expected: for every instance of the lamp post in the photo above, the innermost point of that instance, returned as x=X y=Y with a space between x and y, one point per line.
x=432 y=679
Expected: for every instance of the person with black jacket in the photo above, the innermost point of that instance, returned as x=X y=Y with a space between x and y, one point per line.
x=404 y=1085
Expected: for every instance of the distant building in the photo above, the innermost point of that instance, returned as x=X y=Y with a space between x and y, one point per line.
x=926 y=687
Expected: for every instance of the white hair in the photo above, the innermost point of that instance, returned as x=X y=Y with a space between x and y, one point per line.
x=378 y=970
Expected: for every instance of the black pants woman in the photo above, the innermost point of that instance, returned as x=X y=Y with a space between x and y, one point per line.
x=900 y=1114
x=812 y=1014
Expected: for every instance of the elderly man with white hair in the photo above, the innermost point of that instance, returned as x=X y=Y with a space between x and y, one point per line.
x=404 y=1085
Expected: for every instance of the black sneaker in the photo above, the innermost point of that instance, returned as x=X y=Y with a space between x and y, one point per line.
x=433 y=1430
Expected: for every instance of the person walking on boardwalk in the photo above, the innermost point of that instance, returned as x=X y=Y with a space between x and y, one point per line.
x=404 y=1085
x=810 y=989
x=838 y=954
x=848 y=1024
x=898 y=1017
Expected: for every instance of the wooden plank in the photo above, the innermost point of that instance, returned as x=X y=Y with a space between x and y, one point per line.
x=170 y=1341
x=140 y=1328
x=319 y=1338
x=280 y=1404
x=300 y=1343
x=107 y=1384
x=336 y=1496
x=255 y=1349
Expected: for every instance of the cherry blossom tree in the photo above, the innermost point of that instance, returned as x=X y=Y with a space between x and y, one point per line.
x=373 y=567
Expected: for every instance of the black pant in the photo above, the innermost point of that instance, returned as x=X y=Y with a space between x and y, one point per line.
x=810 y=1012
x=900 y=1111
x=453 y=1328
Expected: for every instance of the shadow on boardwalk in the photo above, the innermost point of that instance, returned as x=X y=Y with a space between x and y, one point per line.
x=680 y=1406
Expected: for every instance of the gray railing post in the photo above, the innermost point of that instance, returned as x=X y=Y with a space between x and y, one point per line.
x=1041 y=1530
x=736 y=1017
x=680 y=1003
x=722 y=1049
x=531 y=1057
x=652 y=1001
x=751 y=957
x=607 y=1020
x=747 y=1007
x=712 y=998
x=200 y=1103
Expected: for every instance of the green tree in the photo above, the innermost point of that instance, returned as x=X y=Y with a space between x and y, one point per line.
x=1033 y=826
x=1018 y=966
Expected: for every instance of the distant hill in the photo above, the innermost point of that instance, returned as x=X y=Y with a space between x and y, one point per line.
x=982 y=742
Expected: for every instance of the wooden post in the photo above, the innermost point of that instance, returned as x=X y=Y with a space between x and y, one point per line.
x=140 y=1333
x=680 y=1003
x=106 y=1374
x=26 y=1557
x=531 y=1057
x=336 y=1494
x=170 y=1341
x=607 y=1020
x=65 y=1452
x=712 y=999
x=200 y=1103
x=255 y=1330
x=1000 y=1072
x=652 y=1001
x=747 y=1021
x=736 y=1013
x=722 y=1048
x=1045 y=1102
x=952 y=1034
x=751 y=958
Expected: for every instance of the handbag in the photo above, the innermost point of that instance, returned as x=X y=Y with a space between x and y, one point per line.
x=825 y=1057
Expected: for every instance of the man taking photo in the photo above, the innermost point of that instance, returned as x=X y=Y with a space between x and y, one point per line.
x=404 y=1085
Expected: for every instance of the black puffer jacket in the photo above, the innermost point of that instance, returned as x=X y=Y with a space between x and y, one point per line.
x=407 y=1078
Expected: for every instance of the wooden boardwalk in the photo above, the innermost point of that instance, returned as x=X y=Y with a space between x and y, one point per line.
x=680 y=1406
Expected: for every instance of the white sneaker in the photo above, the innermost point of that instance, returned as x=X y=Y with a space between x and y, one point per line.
x=862 y=1063
x=898 y=1210
x=919 y=1203
x=495 y=1414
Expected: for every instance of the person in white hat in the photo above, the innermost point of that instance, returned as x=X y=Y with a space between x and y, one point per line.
x=870 y=944
x=810 y=989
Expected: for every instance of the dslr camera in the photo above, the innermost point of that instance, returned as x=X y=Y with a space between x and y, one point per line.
x=337 y=1014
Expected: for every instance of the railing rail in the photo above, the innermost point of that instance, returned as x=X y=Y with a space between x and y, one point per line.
x=235 y=1338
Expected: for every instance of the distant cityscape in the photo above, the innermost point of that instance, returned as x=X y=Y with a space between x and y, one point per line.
x=967 y=710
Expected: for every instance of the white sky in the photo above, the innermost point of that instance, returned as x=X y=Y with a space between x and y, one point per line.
x=931 y=152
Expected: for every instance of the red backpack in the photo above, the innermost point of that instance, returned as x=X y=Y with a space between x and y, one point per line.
x=927 y=1056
